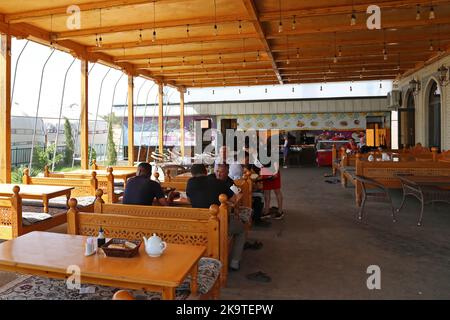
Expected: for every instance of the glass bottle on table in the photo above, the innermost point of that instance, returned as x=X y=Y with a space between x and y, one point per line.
x=101 y=240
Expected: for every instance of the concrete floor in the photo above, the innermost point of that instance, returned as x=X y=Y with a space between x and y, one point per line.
x=320 y=251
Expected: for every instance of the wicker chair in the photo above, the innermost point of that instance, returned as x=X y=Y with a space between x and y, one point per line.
x=373 y=190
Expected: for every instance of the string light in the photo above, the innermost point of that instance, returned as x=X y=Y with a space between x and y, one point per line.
x=187 y=30
x=220 y=58
x=432 y=14
x=353 y=19
x=51 y=32
x=162 y=67
x=244 y=62
x=148 y=63
x=183 y=61
x=418 y=12
x=431 y=45
x=140 y=35
x=335 y=55
x=280 y=24
x=298 y=53
x=240 y=27
x=287 y=49
x=215 y=19
x=154 y=22
x=258 y=56
x=340 y=52
x=294 y=23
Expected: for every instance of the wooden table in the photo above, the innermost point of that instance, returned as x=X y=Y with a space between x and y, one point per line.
x=182 y=177
x=438 y=181
x=50 y=254
x=118 y=174
x=37 y=192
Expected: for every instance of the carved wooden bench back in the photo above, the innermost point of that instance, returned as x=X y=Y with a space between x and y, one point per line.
x=83 y=186
x=175 y=213
x=146 y=221
x=106 y=183
x=11 y=215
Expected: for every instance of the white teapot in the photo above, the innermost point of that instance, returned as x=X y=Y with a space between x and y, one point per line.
x=154 y=246
x=371 y=158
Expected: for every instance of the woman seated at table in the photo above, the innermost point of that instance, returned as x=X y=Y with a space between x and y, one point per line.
x=141 y=190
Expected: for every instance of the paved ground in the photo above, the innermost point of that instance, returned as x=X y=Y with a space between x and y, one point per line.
x=320 y=251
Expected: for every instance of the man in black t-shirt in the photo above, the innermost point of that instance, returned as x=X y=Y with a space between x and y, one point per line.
x=203 y=191
x=141 y=190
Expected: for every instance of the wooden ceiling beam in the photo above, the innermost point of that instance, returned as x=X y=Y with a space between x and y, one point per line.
x=344 y=9
x=172 y=41
x=187 y=54
x=405 y=24
x=26 y=31
x=198 y=63
x=62 y=10
x=202 y=21
x=410 y=42
x=253 y=13
x=213 y=84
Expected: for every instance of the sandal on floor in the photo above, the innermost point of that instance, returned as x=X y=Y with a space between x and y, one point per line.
x=259 y=276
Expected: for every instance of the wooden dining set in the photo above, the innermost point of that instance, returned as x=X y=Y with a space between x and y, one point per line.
x=419 y=172
x=195 y=264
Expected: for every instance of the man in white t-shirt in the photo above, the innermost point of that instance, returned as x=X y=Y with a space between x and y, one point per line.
x=235 y=168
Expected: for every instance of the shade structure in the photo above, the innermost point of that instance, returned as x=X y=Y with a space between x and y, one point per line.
x=198 y=43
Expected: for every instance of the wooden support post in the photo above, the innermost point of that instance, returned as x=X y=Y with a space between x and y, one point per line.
x=161 y=118
x=5 y=109
x=182 y=142
x=84 y=136
x=130 y=120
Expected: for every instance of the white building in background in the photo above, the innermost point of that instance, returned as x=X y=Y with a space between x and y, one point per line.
x=22 y=132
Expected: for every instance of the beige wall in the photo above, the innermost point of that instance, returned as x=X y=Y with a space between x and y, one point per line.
x=426 y=75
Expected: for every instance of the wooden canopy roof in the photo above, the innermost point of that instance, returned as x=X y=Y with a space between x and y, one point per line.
x=247 y=47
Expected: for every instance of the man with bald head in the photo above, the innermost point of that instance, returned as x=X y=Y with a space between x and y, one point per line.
x=141 y=190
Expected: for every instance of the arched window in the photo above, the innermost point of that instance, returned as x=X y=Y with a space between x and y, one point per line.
x=434 y=116
x=407 y=122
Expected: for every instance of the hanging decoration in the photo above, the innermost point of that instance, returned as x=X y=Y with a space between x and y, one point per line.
x=154 y=22
x=216 y=31
x=280 y=24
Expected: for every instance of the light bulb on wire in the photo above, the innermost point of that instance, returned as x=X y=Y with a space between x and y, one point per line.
x=432 y=14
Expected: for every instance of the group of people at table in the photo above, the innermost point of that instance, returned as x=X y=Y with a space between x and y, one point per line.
x=203 y=190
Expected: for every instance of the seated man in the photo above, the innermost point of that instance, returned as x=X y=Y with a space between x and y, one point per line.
x=141 y=190
x=203 y=191
x=235 y=168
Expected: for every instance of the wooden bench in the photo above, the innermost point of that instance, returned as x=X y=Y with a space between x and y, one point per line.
x=105 y=182
x=385 y=172
x=175 y=212
x=173 y=225
x=84 y=188
x=12 y=218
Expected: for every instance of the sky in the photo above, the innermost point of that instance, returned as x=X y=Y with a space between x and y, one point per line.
x=27 y=80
